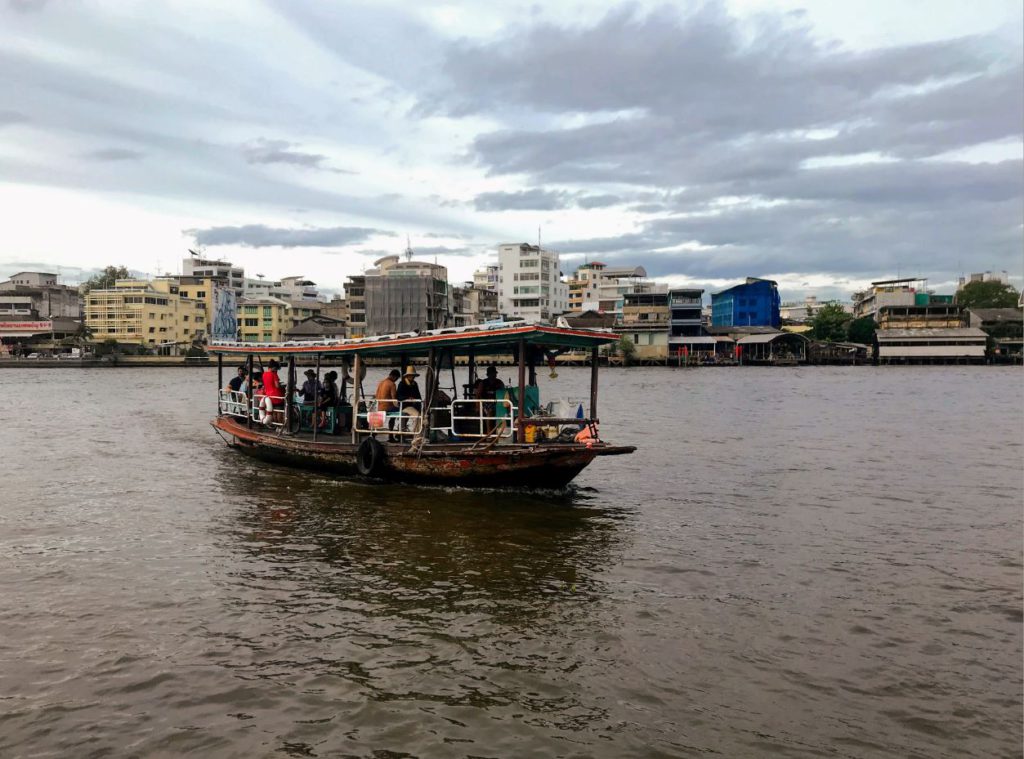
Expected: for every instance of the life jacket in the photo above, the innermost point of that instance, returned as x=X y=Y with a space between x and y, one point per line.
x=587 y=435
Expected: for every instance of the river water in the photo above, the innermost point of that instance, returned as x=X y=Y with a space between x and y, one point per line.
x=796 y=562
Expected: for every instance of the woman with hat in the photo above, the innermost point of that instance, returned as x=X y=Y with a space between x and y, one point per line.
x=311 y=388
x=409 y=398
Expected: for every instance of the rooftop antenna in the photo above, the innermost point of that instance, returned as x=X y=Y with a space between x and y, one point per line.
x=408 y=249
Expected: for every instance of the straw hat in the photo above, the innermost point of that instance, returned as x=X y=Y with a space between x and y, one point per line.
x=410 y=371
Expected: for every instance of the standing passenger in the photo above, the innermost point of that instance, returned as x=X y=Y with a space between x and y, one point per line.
x=409 y=397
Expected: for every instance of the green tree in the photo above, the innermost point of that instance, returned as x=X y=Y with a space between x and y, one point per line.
x=862 y=330
x=829 y=324
x=105 y=279
x=625 y=348
x=990 y=294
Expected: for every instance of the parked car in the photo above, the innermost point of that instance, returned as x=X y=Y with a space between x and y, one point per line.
x=34 y=355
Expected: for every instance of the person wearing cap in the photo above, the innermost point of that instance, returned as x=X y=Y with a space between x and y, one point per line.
x=408 y=395
x=311 y=388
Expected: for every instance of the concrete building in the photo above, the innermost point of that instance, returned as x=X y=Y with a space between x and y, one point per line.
x=755 y=303
x=983 y=276
x=317 y=327
x=402 y=296
x=355 y=305
x=530 y=283
x=193 y=288
x=931 y=345
x=686 y=332
x=936 y=315
x=147 y=314
x=472 y=305
x=299 y=289
x=598 y=287
x=263 y=320
x=198 y=266
x=887 y=292
x=645 y=321
x=44 y=295
x=486 y=278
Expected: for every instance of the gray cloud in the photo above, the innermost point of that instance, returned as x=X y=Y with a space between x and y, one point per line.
x=281 y=151
x=260 y=236
x=115 y=154
x=12 y=117
x=526 y=200
x=541 y=200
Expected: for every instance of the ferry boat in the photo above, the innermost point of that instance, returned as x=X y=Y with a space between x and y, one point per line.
x=478 y=435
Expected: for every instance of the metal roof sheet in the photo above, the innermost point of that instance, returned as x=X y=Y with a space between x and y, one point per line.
x=749 y=339
x=460 y=339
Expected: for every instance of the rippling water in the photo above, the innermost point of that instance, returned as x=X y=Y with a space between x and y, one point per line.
x=797 y=562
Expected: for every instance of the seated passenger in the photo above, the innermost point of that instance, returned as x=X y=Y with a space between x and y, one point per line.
x=236 y=383
x=487 y=389
x=310 y=388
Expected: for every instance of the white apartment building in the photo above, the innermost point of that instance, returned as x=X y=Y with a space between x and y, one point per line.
x=486 y=278
x=530 y=283
x=196 y=266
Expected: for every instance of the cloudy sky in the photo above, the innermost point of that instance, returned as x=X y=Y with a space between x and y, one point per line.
x=823 y=144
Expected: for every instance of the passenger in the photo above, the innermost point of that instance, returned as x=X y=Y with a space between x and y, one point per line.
x=409 y=397
x=328 y=401
x=487 y=390
x=386 y=395
x=273 y=393
x=329 y=392
x=236 y=383
x=310 y=388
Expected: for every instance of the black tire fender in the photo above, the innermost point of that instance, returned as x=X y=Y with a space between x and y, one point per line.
x=370 y=457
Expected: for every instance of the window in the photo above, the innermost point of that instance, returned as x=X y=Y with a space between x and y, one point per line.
x=185 y=318
x=250 y=309
x=268 y=312
x=252 y=322
x=201 y=293
x=152 y=330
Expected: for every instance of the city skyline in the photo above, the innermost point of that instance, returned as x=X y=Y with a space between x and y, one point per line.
x=815 y=145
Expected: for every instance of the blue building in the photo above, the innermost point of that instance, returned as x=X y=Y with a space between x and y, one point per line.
x=755 y=303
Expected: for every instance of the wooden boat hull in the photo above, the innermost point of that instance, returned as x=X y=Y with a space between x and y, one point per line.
x=547 y=466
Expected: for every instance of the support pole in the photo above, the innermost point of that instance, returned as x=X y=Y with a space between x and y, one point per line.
x=289 y=393
x=472 y=374
x=532 y=366
x=593 y=382
x=220 y=378
x=433 y=381
x=316 y=399
x=521 y=396
x=357 y=366
x=248 y=391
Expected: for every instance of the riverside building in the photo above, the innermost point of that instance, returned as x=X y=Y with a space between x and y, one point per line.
x=38 y=292
x=755 y=303
x=146 y=314
x=530 y=283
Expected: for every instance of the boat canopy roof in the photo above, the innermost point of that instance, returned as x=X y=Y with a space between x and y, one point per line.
x=460 y=340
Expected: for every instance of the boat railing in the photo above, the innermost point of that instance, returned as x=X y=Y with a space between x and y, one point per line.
x=266 y=412
x=478 y=417
x=397 y=418
x=233 y=403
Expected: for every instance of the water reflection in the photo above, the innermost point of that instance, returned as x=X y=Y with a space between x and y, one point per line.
x=411 y=593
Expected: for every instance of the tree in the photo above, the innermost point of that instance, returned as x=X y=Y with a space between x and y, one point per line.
x=625 y=348
x=862 y=331
x=991 y=294
x=105 y=279
x=829 y=324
